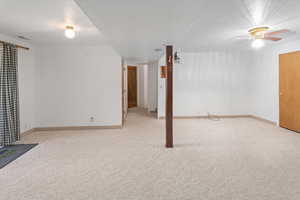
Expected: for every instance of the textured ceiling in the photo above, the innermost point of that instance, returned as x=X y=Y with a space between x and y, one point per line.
x=43 y=21
x=136 y=27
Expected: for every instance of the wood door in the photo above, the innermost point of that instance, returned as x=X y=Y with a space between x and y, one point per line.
x=132 y=86
x=289 y=90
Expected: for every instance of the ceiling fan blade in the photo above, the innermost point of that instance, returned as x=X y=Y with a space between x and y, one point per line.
x=277 y=32
x=272 y=38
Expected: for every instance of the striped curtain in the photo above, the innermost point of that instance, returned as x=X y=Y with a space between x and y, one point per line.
x=9 y=100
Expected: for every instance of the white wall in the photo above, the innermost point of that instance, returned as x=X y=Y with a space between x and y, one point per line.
x=75 y=84
x=125 y=89
x=145 y=75
x=265 y=79
x=65 y=86
x=227 y=82
x=142 y=85
x=79 y=82
x=161 y=89
x=26 y=78
x=152 y=85
x=215 y=82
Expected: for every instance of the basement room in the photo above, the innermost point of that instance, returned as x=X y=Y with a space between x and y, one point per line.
x=150 y=100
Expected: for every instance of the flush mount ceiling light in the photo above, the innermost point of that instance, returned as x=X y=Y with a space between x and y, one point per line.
x=69 y=32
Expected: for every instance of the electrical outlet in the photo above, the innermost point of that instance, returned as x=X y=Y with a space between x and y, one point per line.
x=92 y=119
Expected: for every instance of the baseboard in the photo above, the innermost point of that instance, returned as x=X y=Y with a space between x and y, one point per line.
x=28 y=132
x=263 y=120
x=224 y=116
x=207 y=117
x=75 y=128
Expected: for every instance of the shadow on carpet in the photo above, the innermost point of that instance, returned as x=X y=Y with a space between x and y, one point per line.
x=12 y=152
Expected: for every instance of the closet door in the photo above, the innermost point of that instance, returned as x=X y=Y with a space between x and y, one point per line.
x=289 y=90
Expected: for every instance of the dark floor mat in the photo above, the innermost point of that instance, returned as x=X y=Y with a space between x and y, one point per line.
x=12 y=152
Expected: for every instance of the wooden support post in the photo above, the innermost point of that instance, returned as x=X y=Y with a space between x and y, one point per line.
x=169 y=97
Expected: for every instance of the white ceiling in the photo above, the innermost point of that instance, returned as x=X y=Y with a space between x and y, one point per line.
x=43 y=21
x=137 y=27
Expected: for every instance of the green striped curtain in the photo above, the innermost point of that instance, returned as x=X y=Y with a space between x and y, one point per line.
x=9 y=100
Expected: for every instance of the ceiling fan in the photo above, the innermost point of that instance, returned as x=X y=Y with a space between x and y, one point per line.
x=262 y=33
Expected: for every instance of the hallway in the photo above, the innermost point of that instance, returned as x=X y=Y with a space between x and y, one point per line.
x=228 y=159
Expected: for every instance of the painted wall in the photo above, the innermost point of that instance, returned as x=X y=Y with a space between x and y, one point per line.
x=265 y=79
x=215 y=82
x=26 y=77
x=65 y=86
x=76 y=83
x=125 y=89
x=161 y=89
x=152 y=85
x=142 y=85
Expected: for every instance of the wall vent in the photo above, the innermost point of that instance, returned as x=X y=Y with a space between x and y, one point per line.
x=23 y=37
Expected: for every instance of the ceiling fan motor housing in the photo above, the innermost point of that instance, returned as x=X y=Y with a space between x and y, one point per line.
x=258 y=32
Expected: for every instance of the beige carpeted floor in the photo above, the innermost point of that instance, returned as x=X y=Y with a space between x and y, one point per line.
x=231 y=159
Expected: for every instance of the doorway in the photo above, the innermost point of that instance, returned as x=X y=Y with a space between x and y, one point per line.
x=132 y=86
x=289 y=90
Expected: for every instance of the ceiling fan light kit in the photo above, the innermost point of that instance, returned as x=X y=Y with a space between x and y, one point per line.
x=258 y=43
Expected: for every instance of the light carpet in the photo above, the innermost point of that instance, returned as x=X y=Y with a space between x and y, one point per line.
x=217 y=160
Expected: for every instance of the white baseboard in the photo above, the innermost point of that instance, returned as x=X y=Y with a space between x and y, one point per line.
x=263 y=120
x=207 y=117
x=70 y=128
x=28 y=131
x=223 y=116
x=74 y=128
